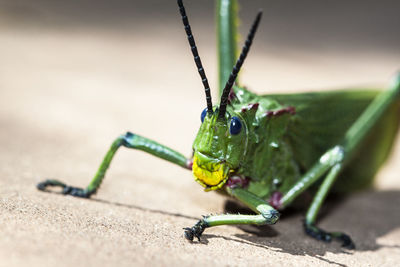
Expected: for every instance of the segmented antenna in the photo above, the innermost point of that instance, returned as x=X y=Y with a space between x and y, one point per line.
x=196 y=56
x=238 y=65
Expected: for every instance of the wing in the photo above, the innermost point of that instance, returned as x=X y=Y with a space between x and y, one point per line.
x=323 y=118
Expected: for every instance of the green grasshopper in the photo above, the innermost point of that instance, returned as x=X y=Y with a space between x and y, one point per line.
x=267 y=150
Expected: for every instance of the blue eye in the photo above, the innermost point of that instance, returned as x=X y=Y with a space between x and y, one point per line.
x=236 y=126
x=203 y=114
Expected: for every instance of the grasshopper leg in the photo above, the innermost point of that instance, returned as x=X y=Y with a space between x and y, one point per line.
x=309 y=224
x=322 y=235
x=128 y=140
x=265 y=214
x=66 y=190
x=332 y=161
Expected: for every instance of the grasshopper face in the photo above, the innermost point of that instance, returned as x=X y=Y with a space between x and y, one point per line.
x=222 y=139
x=218 y=148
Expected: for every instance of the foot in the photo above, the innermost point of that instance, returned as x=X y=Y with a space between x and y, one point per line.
x=196 y=231
x=322 y=235
x=67 y=190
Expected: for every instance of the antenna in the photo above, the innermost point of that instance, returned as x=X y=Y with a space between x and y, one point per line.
x=238 y=65
x=196 y=56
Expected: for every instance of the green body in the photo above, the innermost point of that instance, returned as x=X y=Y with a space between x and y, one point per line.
x=289 y=143
x=280 y=149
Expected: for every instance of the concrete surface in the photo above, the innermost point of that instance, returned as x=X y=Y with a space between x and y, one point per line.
x=74 y=76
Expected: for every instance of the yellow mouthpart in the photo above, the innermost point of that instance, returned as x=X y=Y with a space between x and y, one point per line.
x=210 y=175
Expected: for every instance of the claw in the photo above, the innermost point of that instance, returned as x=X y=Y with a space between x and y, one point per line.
x=346 y=241
x=322 y=235
x=66 y=190
x=196 y=231
x=43 y=185
x=189 y=234
x=76 y=192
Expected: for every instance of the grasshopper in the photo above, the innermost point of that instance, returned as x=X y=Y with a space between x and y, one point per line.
x=267 y=150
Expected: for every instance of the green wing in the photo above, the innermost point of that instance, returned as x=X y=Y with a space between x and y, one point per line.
x=321 y=121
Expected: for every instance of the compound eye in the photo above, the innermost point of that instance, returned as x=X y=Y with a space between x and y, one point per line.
x=236 y=126
x=203 y=115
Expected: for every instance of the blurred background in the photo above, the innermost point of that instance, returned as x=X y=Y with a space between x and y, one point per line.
x=350 y=39
x=76 y=74
x=99 y=66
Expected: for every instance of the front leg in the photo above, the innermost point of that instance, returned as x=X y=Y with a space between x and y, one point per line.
x=128 y=140
x=266 y=214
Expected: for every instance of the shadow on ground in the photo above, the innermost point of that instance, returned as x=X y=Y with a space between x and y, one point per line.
x=366 y=217
x=373 y=212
